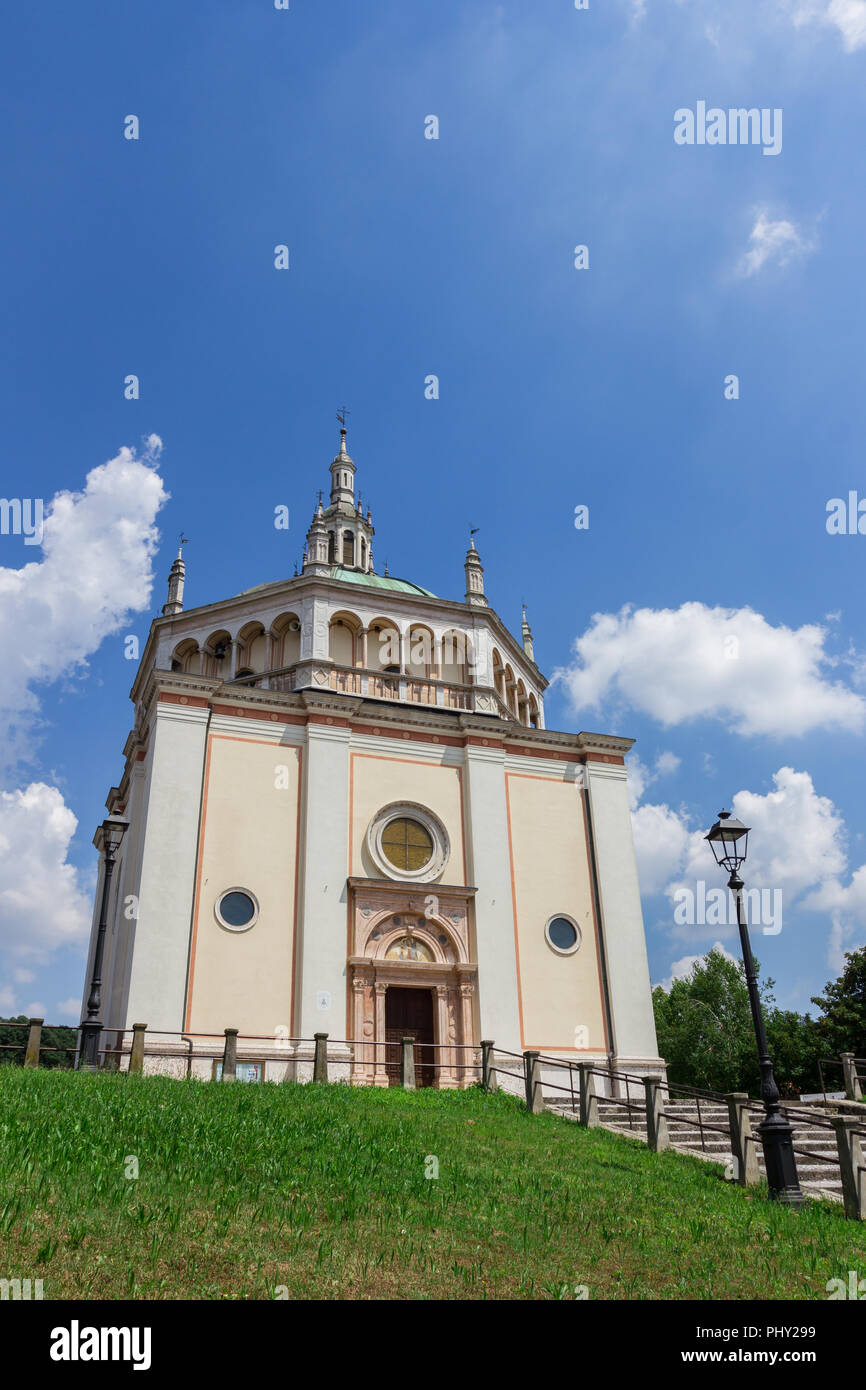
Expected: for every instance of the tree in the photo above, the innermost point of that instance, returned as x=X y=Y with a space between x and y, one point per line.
x=843 y=1004
x=706 y=1035
x=795 y=1047
x=704 y=1027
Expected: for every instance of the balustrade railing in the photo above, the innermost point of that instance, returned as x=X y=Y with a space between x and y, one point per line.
x=380 y=685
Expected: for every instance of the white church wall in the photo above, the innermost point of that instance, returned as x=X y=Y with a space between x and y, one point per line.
x=159 y=967
x=561 y=1000
x=625 y=943
x=321 y=973
x=421 y=776
x=243 y=979
x=94 y=926
x=127 y=917
x=488 y=871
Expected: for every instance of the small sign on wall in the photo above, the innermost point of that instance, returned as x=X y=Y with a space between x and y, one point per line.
x=246 y=1071
x=323 y=1001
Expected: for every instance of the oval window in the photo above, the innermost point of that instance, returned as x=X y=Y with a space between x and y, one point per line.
x=237 y=909
x=563 y=935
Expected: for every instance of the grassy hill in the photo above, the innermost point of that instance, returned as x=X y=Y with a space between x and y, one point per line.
x=322 y=1190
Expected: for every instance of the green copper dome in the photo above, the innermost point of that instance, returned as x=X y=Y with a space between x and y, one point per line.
x=378 y=581
x=370 y=581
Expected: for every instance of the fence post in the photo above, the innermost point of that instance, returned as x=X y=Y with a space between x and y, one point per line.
x=34 y=1037
x=656 y=1120
x=489 y=1079
x=743 y=1150
x=320 y=1061
x=230 y=1055
x=136 y=1054
x=852 y=1082
x=407 y=1063
x=588 y=1098
x=851 y=1165
x=532 y=1078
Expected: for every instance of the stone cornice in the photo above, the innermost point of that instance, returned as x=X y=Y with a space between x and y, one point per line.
x=396 y=887
x=592 y=744
x=375 y=718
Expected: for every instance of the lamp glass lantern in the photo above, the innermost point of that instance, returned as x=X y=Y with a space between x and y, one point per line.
x=110 y=833
x=729 y=840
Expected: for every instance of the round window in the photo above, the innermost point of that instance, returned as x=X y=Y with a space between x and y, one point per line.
x=406 y=843
x=563 y=935
x=236 y=909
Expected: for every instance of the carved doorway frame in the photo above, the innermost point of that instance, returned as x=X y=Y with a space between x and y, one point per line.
x=383 y=913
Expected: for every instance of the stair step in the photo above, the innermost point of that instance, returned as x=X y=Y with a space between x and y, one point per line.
x=817 y=1178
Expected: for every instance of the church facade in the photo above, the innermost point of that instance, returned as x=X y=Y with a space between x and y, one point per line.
x=346 y=815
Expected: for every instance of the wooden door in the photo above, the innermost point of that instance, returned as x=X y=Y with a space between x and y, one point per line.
x=409 y=1014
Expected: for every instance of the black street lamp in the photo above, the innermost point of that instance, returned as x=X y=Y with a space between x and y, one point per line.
x=108 y=838
x=777 y=1136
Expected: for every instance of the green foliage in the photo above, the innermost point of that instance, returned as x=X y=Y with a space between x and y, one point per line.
x=843 y=1005
x=55 y=1042
x=706 y=1035
x=704 y=1027
x=795 y=1046
x=257 y=1192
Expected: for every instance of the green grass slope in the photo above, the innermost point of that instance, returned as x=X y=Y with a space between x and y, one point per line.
x=250 y=1191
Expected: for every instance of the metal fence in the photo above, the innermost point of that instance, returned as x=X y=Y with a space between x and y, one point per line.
x=34 y=1048
x=649 y=1104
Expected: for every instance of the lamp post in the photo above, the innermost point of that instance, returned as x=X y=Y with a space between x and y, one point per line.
x=728 y=840
x=108 y=838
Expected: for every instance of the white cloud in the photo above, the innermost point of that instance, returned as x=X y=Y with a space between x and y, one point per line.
x=661 y=838
x=846 y=907
x=666 y=763
x=97 y=547
x=797 y=839
x=681 y=969
x=7 y=1000
x=36 y=1009
x=692 y=662
x=42 y=902
x=69 y=1008
x=775 y=242
x=848 y=16
x=23 y=977
x=640 y=776
x=797 y=845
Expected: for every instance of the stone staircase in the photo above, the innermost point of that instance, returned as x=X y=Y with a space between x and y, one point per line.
x=813 y=1143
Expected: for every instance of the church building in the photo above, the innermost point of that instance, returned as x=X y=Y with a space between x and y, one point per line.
x=346 y=815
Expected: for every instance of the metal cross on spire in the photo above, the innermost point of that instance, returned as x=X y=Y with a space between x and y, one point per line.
x=341 y=416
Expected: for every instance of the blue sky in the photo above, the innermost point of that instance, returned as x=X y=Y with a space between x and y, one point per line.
x=558 y=387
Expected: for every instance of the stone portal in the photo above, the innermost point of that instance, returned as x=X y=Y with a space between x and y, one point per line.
x=414 y=943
